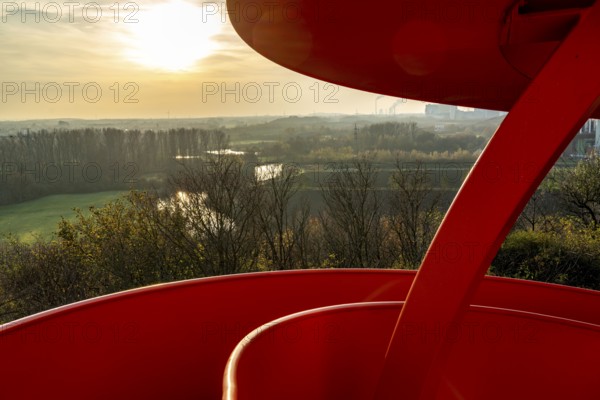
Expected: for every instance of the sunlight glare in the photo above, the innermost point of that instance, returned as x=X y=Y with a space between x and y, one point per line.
x=172 y=36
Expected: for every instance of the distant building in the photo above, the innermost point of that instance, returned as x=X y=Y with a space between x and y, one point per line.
x=586 y=142
x=444 y=111
x=480 y=113
x=441 y=111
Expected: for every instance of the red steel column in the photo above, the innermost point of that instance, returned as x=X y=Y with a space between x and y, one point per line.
x=520 y=154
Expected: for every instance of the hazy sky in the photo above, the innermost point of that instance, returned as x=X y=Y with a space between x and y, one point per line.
x=149 y=59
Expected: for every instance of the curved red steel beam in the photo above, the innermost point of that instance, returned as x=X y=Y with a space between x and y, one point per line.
x=173 y=340
x=168 y=341
x=537 y=58
x=519 y=155
x=497 y=354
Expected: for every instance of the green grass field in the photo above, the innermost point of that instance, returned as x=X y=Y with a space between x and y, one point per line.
x=39 y=218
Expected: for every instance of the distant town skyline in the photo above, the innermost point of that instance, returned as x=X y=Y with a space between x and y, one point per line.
x=158 y=59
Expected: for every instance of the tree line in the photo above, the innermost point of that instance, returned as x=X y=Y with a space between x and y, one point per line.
x=46 y=162
x=383 y=141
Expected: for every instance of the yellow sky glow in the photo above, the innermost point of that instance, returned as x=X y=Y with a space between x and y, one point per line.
x=150 y=60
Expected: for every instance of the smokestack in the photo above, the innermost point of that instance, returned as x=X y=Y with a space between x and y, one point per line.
x=376 y=100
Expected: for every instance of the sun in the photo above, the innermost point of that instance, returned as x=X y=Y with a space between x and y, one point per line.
x=171 y=36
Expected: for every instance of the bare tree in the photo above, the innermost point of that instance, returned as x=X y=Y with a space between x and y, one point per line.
x=213 y=216
x=415 y=214
x=535 y=214
x=282 y=226
x=310 y=248
x=352 y=216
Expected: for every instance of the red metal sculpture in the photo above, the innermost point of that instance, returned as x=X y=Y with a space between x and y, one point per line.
x=446 y=333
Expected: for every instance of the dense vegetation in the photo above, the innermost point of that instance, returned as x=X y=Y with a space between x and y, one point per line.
x=384 y=142
x=216 y=216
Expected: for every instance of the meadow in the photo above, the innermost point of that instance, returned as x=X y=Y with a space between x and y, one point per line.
x=39 y=218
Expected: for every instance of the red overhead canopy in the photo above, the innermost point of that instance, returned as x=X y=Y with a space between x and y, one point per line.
x=469 y=53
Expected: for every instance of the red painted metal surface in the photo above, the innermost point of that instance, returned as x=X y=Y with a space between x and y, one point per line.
x=173 y=340
x=537 y=58
x=491 y=199
x=168 y=341
x=470 y=53
x=337 y=353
